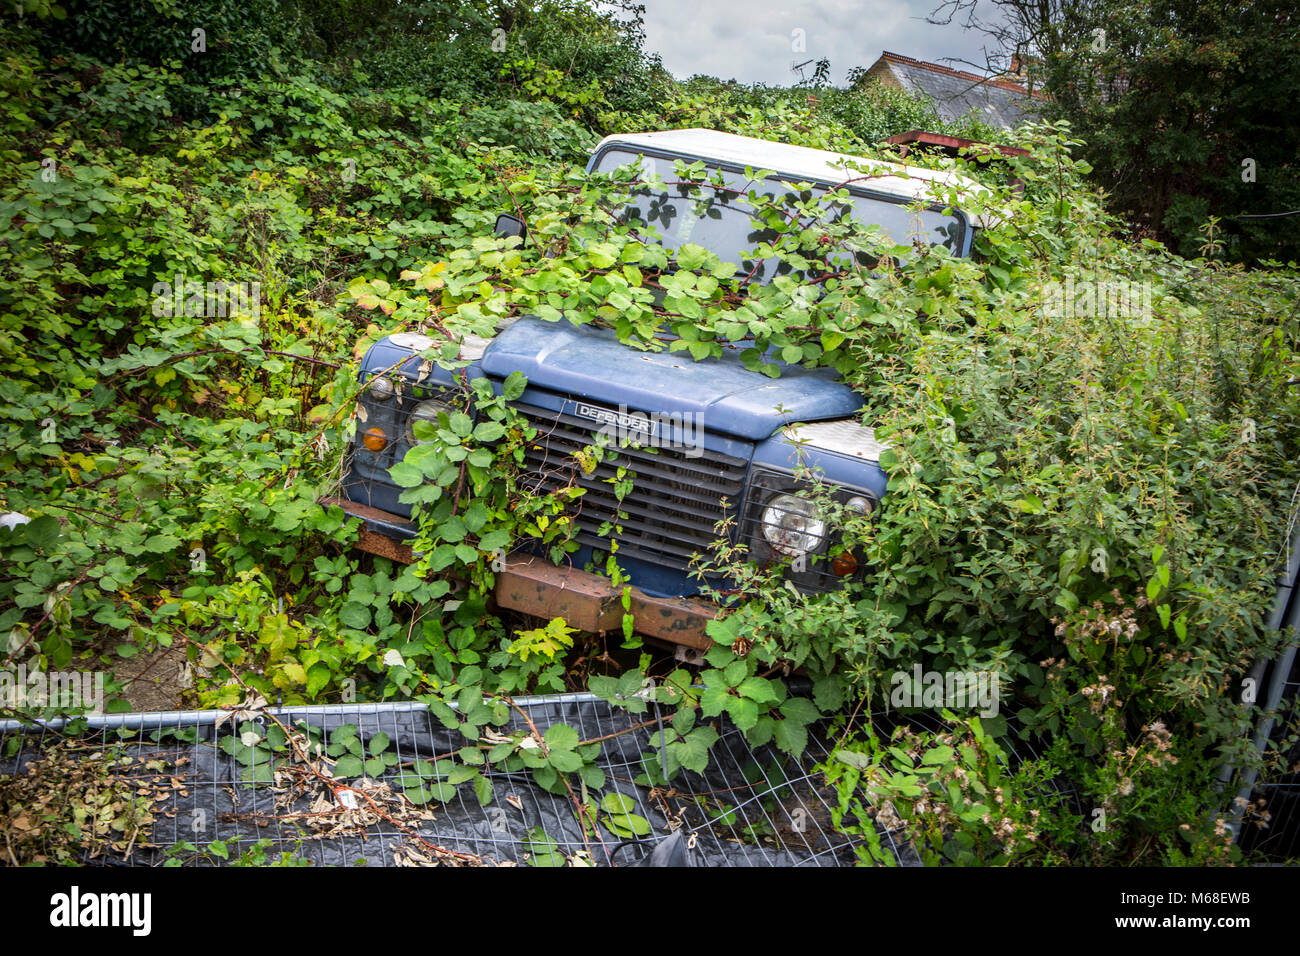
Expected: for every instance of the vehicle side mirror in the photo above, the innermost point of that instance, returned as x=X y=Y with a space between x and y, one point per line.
x=508 y=225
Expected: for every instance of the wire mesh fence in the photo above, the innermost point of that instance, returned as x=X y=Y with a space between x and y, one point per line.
x=1266 y=809
x=202 y=787
x=1270 y=820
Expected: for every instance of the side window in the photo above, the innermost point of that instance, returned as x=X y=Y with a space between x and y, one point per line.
x=713 y=218
x=725 y=226
x=902 y=224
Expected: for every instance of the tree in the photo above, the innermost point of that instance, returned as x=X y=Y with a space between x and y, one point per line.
x=1186 y=106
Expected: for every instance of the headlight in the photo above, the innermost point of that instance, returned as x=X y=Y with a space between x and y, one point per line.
x=791 y=526
x=424 y=412
x=381 y=388
x=861 y=503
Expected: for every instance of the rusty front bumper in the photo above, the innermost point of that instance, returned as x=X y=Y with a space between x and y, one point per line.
x=534 y=586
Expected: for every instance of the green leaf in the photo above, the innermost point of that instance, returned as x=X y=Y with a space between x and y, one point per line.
x=542 y=849
x=262 y=773
x=461 y=773
x=938 y=755
x=628 y=826
x=743 y=712
x=620 y=818
x=561 y=737
x=759 y=689
x=406 y=475
x=514 y=386
x=617 y=803
x=494 y=540
x=800 y=709
x=41 y=533
x=790 y=736
x=160 y=543
x=349 y=766
x=488 y=431
x=483 y=790
x=343 y=733
x=355 y=616
x=693 y=751
x=713 y=701
x=442 y=791
x=828 y=692
x=565 y=761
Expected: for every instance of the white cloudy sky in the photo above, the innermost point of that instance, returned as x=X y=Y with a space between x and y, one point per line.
x=750 y=40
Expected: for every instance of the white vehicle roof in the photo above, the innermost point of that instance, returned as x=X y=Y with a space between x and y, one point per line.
x=908 y=183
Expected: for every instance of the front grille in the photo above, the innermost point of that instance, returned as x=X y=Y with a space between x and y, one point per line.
x=669 y=515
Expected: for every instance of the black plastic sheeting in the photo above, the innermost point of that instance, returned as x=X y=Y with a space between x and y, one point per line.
x=779 y=811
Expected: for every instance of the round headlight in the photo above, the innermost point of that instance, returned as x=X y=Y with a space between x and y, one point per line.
x=860 y=503
x=381 y=388
x=424 y=412
x=791 y=526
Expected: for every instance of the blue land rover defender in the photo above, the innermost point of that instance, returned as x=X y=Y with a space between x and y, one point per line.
x=714 y=439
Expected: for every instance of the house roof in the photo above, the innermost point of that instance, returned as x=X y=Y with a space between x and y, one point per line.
x=952 y=145
x=909 y=183
x=998 y=102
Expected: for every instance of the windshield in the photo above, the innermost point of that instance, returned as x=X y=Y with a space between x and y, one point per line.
x=726 y=227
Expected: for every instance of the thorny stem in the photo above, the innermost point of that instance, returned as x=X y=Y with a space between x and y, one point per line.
x=578 y=806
